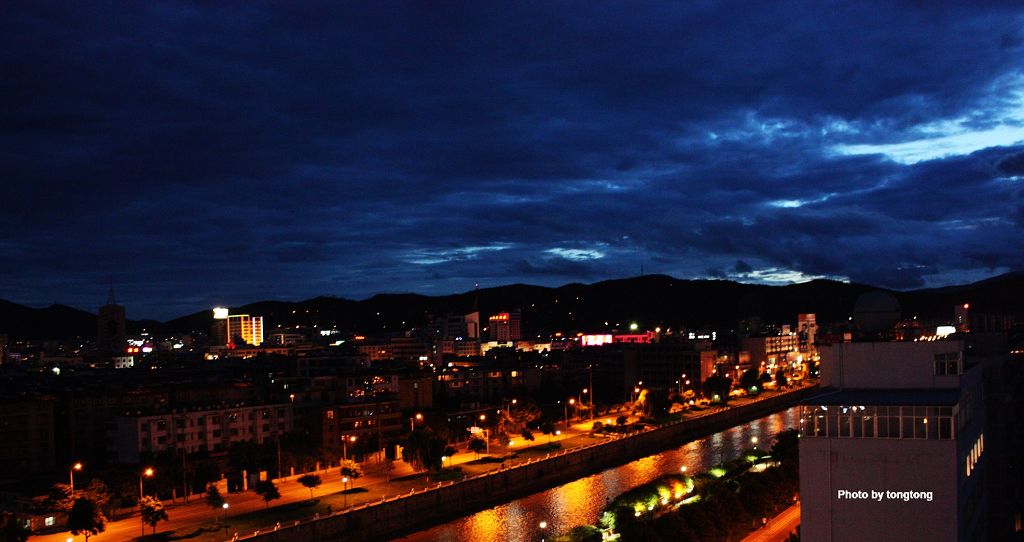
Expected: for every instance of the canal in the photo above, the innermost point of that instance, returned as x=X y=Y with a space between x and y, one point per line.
x=581 y=501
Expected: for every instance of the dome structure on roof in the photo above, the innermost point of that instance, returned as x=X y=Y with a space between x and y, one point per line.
x=876 y=311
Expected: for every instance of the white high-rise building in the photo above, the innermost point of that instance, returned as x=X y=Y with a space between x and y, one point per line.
x=894 y=446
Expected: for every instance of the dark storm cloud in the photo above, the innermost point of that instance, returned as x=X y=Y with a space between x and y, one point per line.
x=224 y=153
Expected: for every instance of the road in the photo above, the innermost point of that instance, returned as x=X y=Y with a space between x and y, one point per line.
x=778 y=528
x=196 y=514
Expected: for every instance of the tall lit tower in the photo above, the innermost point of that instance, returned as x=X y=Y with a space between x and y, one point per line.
x=111 y=325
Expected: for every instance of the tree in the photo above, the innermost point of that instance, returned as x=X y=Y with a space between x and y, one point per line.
x=98 y=491
x=213 y=497
x=597 y=427
x=582 y=533
x=59 y=498
x=424 y=448
x=749 y=379
x=621 y=421
x=523 y=412
x=548 y=429
x=477 y=445
x=502 y=438
x=351 y=470
x=656 y=405
x=718 y=385
x=780 y=379
x=449 y=452
x=527 y=434
x=85 y=517
x=269 y=492
x=152 y=511
x=311 y=482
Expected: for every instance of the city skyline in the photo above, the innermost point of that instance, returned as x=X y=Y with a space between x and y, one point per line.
x=203 y=155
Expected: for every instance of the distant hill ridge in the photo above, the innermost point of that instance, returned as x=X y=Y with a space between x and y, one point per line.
x=651 y=300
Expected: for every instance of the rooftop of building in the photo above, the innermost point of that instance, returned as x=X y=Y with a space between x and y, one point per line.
x=893 y=397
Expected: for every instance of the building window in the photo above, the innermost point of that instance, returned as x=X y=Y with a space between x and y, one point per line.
x=947 y=364
x=858 y=421
x=330 y=414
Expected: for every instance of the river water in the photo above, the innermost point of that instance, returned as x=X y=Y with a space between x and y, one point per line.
x=581 y=501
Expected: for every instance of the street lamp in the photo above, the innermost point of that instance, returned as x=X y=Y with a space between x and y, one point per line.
x=753 y=440
x=487 y=434
x=76 y=466
x=507 y=417
x=344 y=490
x=344 y=445
x=412 y=421
x=148 y=473
x=543 y=525
x=224 y=506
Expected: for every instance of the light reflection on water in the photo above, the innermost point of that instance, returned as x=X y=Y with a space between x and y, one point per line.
x=579 y=502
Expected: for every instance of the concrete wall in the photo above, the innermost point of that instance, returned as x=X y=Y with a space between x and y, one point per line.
x=905 y=365
x=830 y=465
x=423 y=509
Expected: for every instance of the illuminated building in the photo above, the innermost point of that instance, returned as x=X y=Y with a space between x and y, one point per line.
x=478 y=384
x=456 y=326
x=201 y=430
x=806 y=331
x=771 y=351
x=394 y=348
x=505 y=326
x=895 y=416
x=456 y=348
x=236 y=329
x=609 y=338
x=248 y=328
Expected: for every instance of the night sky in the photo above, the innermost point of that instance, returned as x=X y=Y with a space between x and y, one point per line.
x=201 y=155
